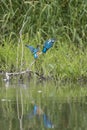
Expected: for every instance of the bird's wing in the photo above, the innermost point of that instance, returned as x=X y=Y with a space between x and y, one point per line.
x=32 y=49
x=47 y=122
x=48 y=44
x=35 y=109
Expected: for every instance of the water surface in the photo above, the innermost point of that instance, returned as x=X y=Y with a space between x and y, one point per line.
x=29 y=106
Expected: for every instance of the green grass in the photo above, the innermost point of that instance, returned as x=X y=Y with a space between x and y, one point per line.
x=38 y=93
x=33 y=22
x=63 y=61
x=49 y=18
x=56 y=101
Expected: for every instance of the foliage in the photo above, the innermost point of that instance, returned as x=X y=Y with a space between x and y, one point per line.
x=33 y=22
x=53 y=18
x=61 y=103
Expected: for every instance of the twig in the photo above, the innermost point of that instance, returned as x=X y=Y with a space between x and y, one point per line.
x=8 y=75
x=28 y=70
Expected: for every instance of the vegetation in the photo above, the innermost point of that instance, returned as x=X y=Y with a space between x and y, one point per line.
x=36 y=93
x=33 y=22
x=65 y=103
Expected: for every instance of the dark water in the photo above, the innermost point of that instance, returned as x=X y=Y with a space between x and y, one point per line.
x=20 y=110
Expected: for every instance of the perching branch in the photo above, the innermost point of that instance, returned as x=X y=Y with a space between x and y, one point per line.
x=28 y=70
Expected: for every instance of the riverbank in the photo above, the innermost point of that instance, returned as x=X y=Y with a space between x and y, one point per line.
x=63 y=61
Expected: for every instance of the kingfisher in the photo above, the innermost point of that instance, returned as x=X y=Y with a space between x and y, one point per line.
x=37 y=111
x=47 y=122
x=47 y=45
x=36 y=51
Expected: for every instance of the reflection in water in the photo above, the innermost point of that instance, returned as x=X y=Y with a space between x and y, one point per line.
x=37 y=111
x=47 y=122
x=65 y=116
x=20 y=111
x=17 y=112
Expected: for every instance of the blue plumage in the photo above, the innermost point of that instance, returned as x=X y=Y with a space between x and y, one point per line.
x=33 y=113
x=33 y=50
x=35 y=110
x=47 y=122
x=47 y=45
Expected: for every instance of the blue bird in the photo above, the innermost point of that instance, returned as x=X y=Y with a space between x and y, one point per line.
x=37 y=111
x=34 y=51
x=47 y=45
x=47 y=122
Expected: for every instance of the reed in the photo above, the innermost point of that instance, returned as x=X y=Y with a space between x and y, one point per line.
x=52 y=19
x=64 y=61
x=35 y=21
